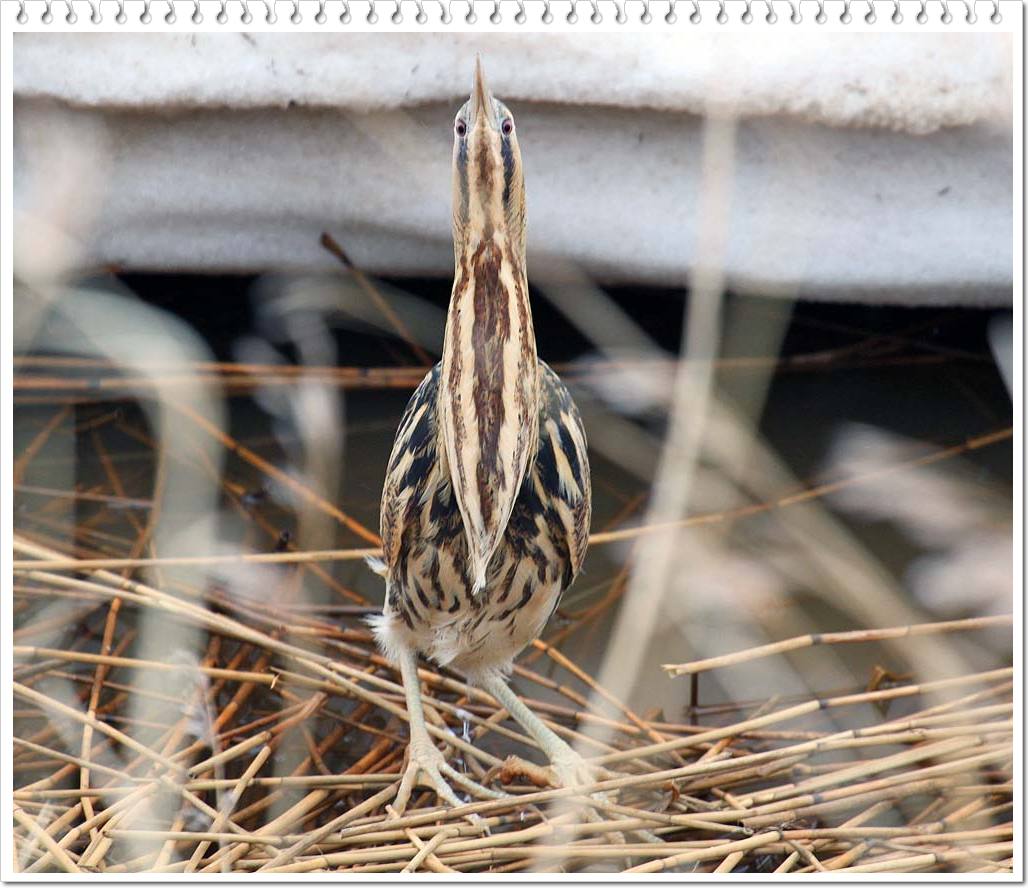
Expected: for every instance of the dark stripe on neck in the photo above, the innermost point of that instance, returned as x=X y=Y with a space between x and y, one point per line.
x=490 y=331
x=462 y=178
x=508 y=170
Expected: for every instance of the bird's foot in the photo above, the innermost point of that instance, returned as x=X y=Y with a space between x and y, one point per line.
x=427 y=766
x=567 y=769
x=570 y=769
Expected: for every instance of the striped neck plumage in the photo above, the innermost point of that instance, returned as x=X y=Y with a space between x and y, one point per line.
x=488 y=396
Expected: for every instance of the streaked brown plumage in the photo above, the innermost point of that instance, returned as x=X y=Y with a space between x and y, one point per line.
x=486 y=504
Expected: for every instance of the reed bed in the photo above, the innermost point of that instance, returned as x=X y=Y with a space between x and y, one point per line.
x=282 y=756
x=278 y=749
x=746 y=797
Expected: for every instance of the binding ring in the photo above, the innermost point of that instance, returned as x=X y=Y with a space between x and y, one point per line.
x=920 y=13
x=595 y=16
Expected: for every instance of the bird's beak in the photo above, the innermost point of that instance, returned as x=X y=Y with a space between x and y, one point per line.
x=482 y=100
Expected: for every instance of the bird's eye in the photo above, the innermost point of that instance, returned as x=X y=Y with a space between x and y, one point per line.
x=460 y=127
x=507 y=126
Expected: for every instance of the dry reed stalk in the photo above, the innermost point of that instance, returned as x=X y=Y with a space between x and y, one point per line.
x=21 y=464
x=80 y=657
x=59 y=854
x=109 y=383
x=856 y=637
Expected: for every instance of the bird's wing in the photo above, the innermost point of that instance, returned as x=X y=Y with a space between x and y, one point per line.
x=413 y=454
x=561 y=466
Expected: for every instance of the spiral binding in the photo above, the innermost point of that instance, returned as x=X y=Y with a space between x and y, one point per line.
x=596 y=16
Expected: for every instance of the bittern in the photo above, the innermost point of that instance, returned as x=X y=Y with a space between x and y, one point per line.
x=486 y=504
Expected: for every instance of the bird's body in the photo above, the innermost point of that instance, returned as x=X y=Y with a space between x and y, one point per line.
x=430 y=602
x=485 y=509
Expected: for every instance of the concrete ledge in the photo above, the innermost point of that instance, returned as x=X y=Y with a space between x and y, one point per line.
x=873 y=167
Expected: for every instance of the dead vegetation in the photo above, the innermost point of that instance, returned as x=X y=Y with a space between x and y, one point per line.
x=278 y=748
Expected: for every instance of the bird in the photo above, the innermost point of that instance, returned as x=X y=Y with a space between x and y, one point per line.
x=487 y=500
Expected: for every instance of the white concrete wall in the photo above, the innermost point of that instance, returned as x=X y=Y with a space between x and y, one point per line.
x=875 y=167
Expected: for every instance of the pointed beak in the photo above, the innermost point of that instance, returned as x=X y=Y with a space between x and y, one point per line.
x=483 y=111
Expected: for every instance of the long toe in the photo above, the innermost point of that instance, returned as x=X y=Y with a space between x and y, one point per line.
x=570 y=769
x=427 y=766
x=469 y=785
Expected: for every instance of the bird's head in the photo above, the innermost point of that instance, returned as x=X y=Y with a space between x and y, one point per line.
x=488 y=185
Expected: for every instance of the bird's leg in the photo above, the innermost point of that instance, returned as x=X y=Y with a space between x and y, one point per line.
x=568 y=766
x=423 y=758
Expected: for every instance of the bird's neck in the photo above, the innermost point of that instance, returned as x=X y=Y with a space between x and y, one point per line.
x=489 y=320
x=489 y=389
